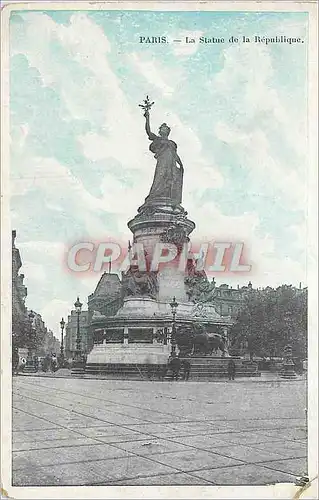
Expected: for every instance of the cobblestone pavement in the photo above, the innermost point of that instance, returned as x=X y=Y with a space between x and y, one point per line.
x=111 y=432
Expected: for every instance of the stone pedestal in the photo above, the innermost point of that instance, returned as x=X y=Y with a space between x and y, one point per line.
x=288 y=370
x=29 y=367
x=171 y=284
x=78 y=365
x=156 y=223
x=148 y=294
x=30 y=364
x=132 y=354
x=138 y=307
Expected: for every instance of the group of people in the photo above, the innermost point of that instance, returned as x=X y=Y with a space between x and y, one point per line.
x=49 y=362
x=177 y=365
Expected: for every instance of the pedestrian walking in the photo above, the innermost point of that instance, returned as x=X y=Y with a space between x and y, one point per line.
x=231 y=369
x=175 y=366
x=36 y=363
x=54 y=363
x=162 y=372
x=45 y=365
x=186 y=369
x=22 y=364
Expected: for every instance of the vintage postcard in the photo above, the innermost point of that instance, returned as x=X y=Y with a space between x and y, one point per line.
x=159 y=256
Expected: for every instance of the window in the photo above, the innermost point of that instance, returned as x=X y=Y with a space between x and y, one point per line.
x=144 y=335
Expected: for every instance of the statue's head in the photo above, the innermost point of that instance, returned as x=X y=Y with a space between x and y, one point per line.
x=164 y=130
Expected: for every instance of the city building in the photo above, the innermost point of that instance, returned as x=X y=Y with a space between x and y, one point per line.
x=44 y=340
x=27 y=331
x=229 y=301
x=51 y=344
x=71 y=333
x=19 y=294
x=107 y=296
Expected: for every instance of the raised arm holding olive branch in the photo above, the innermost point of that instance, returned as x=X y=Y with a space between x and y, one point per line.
x=168 y=177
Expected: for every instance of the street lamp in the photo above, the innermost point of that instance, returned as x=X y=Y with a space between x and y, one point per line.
x=78 y=308
x=78 y=366
x=174 y=306
x=62 y=324
x=30 y=367
x=287 y=322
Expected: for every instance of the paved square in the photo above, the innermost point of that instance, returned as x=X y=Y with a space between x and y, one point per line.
x=107 y=432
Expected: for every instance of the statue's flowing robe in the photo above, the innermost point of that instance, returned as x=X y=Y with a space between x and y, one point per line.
x=168 y=177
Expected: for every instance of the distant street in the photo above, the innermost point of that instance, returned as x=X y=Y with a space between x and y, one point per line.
x=112 y=432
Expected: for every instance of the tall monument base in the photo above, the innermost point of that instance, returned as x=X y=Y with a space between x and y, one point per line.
x=143 y=362
x=131 y=336
x=128 y=354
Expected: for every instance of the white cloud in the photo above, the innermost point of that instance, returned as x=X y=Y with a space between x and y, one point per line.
x=124 y=132
x=247 y=80
x=60 y=187
x=41 y=29
x=267 y=267
x=53 y=249
x=34 y=270
x=53 y=312
x=91 y=49
x=151 y=73
x=255 y=115
x=254 y=151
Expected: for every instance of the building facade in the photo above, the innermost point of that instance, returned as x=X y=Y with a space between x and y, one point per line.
x=19 y=294
x=107 y=296
x=26 y=335
x=71 y=333
x=51 y=344
x=229 y=301
x=44 y=340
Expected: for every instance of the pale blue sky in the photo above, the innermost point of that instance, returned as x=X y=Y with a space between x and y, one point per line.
x=80 y=164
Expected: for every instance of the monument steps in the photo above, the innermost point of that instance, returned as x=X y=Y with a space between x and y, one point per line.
x=136 y=371
x=201 y=368
x=29 y=369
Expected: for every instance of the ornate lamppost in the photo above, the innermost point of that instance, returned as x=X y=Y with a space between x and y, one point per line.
x=78 y=362
x=288 y=369
x=62 y=325
x=30 y=366
x=165 y=335
x=174 y=306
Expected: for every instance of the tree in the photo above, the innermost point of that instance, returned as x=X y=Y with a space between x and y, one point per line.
x=271 y=319
x=20 y=331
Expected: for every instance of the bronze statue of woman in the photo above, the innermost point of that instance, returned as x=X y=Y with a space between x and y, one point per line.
x=168 y=178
